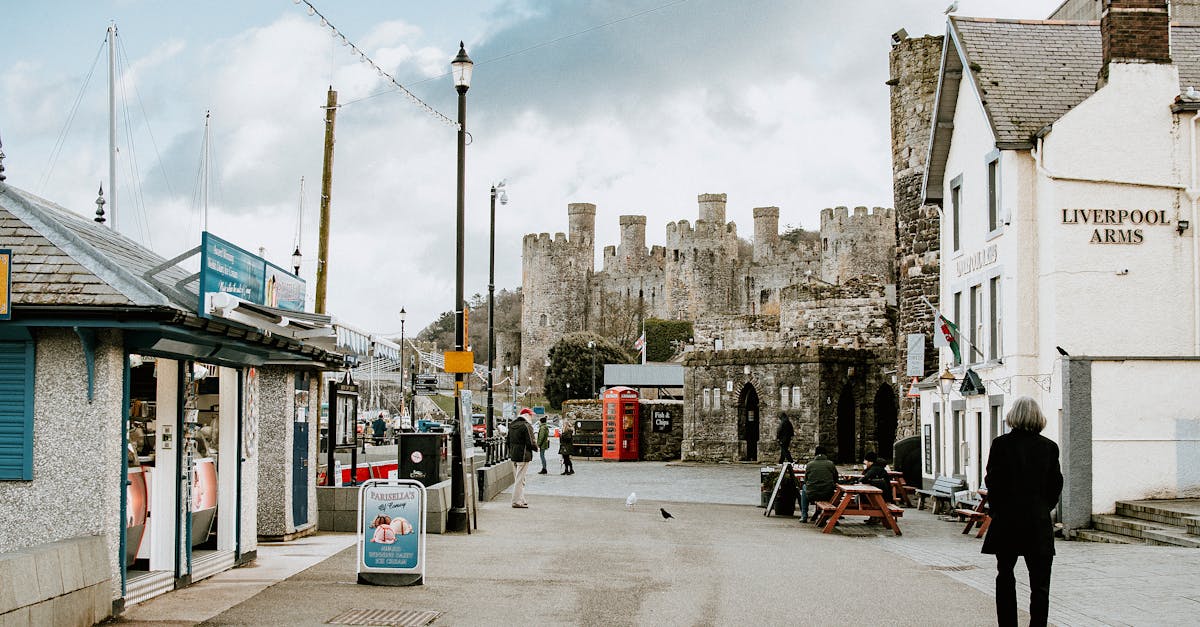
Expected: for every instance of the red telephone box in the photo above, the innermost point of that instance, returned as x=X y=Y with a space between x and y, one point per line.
x=620 y=407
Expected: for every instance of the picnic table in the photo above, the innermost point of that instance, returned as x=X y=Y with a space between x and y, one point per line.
x=857 y=500
x=977 y=515
x=901 y=491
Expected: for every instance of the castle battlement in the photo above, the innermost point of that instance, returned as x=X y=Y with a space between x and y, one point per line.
x=839 y=217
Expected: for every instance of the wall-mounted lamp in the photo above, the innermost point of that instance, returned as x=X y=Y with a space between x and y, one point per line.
x=1181 y=226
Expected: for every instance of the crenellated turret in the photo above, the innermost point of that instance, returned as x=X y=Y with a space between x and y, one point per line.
x=859 y=244
x=766 y=232
x=712 y=208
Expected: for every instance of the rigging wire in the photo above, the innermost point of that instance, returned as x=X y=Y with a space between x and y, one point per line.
x=139 y=202
x=150 y=131
x=524 y=50
x=62 y=135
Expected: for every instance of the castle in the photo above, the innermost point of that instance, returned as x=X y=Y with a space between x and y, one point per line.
x=703 y=269
x=779 y=323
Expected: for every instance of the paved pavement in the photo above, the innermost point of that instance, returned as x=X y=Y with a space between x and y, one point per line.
x=577 y=556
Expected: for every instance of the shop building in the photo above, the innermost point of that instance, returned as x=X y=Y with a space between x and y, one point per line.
x=136 y=411
x=1063 y=157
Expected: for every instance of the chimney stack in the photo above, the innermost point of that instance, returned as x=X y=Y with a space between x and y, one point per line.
x=1135 y=31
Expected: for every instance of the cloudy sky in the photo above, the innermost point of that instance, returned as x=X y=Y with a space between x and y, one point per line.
x=637 y=106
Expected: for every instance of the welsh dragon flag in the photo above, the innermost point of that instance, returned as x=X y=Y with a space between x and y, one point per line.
x=945 y=330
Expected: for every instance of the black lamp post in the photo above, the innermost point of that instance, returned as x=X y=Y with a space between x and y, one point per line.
x=296 y=257
x=403 y=314
x=499 y=187
x=460 y=69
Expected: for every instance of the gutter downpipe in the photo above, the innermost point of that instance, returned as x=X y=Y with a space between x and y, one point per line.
x=1193 y=193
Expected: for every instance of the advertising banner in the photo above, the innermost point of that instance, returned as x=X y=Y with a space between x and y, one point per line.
x=226 y=267
x=283 y=289
x=391 y=530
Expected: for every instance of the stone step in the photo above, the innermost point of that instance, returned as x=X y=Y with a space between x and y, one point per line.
x=1151 y=532
x=1152 y=511
x=1094 y=535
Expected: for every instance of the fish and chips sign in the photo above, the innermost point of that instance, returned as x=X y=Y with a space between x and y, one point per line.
x=225 y=267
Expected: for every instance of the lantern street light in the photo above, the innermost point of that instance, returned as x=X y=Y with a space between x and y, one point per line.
x=460 y=69
x=945 y=385
x=296 y=257
x=503 y=195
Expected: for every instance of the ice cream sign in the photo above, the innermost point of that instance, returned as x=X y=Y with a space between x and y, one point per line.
x=227 y=268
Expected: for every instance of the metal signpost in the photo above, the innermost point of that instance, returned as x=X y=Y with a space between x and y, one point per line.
x=391 y=533
x=343 y=427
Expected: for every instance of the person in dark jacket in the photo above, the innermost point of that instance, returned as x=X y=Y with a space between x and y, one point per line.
x=876 y=474
x=378 y=429
x=820 y=478
x=566 y=446
x=784 y=435
x=520 y=450
x=1024 y=483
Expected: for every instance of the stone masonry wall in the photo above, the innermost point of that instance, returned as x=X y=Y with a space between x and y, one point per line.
x=663 y=446
x=914 y=70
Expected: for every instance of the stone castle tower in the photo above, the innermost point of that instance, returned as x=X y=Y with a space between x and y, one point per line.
x=914 y=66
x=702 y=269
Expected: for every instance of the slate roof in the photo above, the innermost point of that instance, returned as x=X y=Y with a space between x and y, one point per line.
x=61 y=258
x=1029 y=73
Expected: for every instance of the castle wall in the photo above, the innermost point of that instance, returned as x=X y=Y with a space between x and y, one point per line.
x=857 y=244
x=554 y=274
x=914 y=65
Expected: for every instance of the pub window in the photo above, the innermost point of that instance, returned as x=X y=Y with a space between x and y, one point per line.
x=955 y=214
x=976 y=329
x=783 y=396
x=958 y=321
x=994 y=345
x=993 y=191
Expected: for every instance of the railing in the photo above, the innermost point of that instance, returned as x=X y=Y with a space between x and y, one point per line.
x=496 y=448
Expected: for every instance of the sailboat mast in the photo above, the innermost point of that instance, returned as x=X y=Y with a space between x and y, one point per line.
x=112 y=126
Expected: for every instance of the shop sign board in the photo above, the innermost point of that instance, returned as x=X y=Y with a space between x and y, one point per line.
x=425 y=384
x=226 y=267
x=391 y=532
x=661 y=421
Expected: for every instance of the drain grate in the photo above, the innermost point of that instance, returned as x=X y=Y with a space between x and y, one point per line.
x=955 y=568
x=389 y=618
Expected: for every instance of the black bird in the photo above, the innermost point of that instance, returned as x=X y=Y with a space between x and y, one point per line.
x=1061 y=351
x=665 y=514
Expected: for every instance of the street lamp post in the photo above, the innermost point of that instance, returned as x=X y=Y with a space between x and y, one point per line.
x=592 y=345
x=403 y=314
x=491 y=299
x=945 y=384
x=296 y=258
x=460 y=69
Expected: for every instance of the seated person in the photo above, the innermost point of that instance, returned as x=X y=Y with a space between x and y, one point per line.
x=820 y=479
x=876 y=474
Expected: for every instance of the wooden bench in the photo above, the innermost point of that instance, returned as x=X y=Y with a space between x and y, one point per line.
x=942 y=493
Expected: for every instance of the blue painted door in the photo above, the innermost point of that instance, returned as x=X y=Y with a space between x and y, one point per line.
x=300 y=472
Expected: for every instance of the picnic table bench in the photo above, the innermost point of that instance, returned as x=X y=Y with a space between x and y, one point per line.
x=941 y=492
x=857 y=500
x=976 y=515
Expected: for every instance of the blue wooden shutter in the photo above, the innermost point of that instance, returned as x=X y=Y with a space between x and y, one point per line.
x=16 y=411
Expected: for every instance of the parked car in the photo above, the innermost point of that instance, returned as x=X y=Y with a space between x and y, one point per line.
x=479 y=428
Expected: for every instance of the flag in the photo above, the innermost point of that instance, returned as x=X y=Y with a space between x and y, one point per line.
x=640 y=343
x=946 y=330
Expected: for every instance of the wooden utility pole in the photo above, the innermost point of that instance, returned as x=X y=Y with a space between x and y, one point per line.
x=326 y=186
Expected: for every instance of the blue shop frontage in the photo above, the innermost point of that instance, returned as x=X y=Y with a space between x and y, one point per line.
x=152 y=428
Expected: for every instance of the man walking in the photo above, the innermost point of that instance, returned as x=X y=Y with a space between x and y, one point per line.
x=543 y=443
x=520 y=450
x=784 y=435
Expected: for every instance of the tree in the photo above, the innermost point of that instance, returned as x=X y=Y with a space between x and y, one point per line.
x=620 y=317
x=571 y=362
x=665 y=338
x=797 y=235
x=508 y=319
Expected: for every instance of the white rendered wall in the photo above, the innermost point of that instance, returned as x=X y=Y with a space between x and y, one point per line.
x=1145 y=445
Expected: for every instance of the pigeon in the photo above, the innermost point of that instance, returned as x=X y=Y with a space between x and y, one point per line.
x=665 y=514
x=631 y=501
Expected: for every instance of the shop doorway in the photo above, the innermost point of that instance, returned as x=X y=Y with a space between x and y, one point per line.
x=846 y=428
x=885 y=421
x=213 y=462
x=748 y=419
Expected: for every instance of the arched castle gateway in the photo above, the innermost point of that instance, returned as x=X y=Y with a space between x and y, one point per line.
x=782 y=307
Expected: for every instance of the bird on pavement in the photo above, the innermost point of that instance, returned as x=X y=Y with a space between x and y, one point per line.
x=665 y=514
x=631 y=501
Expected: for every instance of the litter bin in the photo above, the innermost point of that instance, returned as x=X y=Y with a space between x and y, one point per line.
x=424 y=457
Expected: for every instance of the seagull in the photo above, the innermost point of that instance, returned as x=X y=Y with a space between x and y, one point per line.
x=631 y=501
x=665 y=514
x=1191 y=94
x=952 y=8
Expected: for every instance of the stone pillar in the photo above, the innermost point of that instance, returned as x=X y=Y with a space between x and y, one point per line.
x=766 y=231
x=712 y=208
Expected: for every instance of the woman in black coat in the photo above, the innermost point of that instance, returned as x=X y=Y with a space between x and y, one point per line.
x=1024 y=483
